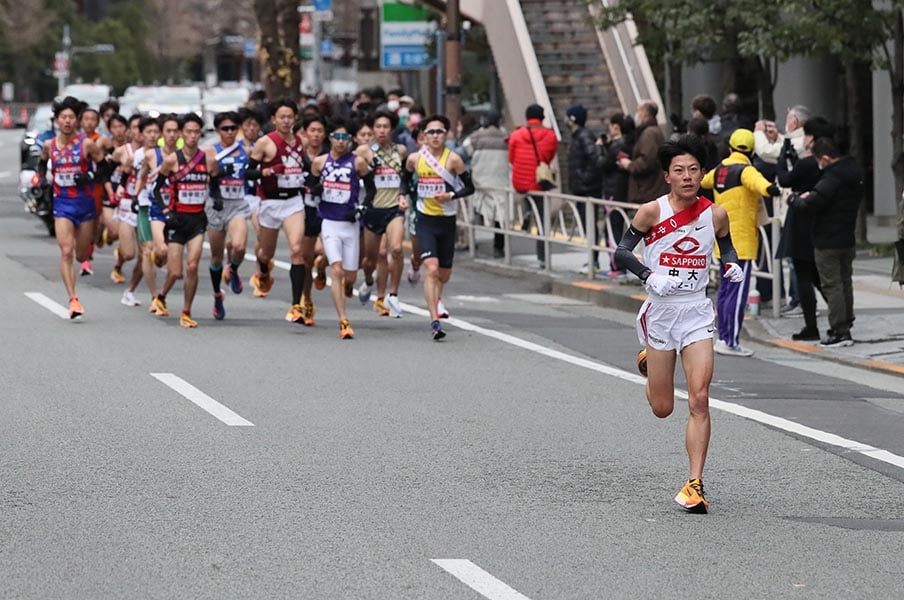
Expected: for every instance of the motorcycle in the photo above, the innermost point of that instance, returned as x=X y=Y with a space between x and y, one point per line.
x=37 y=195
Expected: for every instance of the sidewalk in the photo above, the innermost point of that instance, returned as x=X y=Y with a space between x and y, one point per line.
x=878 y=304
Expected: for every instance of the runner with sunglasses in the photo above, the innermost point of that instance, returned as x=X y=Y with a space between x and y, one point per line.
x=442 y=178
x=231 y=218
x=340 y=174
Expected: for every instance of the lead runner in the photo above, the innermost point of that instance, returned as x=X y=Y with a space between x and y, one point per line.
x=679 y=231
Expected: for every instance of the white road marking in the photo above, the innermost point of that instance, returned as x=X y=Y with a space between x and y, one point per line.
x=57 y=309
x=475 y=298
x=477 y=579
x=202 y=400
x=729 y=407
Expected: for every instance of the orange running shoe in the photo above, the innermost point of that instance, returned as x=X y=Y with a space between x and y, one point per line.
x=186 y=321
x=345 y=330
x=380 y=308
x=75 y=308
x=307 y=314
x=117 y=276
x=262 y=284
x=691 y=497
x=159 y=306
x=642 y=362
x=320 y=280
x=295 y=314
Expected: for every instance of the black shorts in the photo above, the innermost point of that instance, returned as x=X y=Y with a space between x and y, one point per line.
x=312 y=222
x=378 y=219
x=436 y=238
x=185 y=227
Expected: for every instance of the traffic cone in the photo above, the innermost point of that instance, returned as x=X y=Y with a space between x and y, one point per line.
x=23 y=116
x=7 y=119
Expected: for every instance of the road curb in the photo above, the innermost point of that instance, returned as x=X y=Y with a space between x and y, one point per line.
x=629 y=298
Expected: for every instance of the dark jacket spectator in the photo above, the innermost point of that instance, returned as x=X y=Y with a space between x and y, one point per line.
x=585 y=175
x=620 y=143
x=521 y=150
x=833 y=203
x=646 y=179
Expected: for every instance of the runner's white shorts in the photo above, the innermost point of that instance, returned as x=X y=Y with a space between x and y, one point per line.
x=218 y=220
x=124 y=214
x=254 y=202
x=675 y=325
x=272 y=213
x=341 y=241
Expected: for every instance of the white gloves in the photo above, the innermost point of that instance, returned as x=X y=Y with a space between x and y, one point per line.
x=733 y=273
x=662 y=285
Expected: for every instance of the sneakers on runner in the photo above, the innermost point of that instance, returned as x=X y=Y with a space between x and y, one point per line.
x=395 y=308
x=186 y=321
x=262 y=284
x=364 y=292
x=413 y=276
x=129 y=299
x=75 y=308
x=441 y=311
x=117 y=276
x=345 y=330
x=642 y=362
x=219 y=309
x=232 y=279
x=307 y=314
x=295 y=314
x=159 y=306
x=691 y=497
x=438 y=332
x=380 y=308
x=320 y=267
x=86 y=268
x=724 y=349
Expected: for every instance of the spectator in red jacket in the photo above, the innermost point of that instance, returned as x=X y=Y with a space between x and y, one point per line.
x=528 y=146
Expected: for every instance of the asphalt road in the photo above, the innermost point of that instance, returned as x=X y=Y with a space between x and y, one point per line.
x=517 y=459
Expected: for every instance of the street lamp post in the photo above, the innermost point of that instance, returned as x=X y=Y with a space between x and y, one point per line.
x=69 y=51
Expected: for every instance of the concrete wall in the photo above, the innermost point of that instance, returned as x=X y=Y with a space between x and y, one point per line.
x=885 y=207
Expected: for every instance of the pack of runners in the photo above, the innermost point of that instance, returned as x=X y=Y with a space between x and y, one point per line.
x=342 y=192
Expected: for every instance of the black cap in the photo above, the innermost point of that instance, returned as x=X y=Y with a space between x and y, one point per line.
x=534 y=111
x=491 y=117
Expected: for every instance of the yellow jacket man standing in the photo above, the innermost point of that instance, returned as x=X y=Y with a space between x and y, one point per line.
x=738 y=187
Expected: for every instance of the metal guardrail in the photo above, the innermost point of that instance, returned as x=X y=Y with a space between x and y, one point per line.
x=561 y=222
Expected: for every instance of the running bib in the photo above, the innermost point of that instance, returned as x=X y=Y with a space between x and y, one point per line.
x=291 y=179
x=386 y=177
x=192 y=193
x=130 y=185
x=337 y=192
x=64 y=175
x=430 y=187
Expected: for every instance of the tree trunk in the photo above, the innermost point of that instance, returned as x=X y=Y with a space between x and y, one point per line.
x=855 y=125
x=270 y=48
x=291 y=56
x=766 y=80
x=675 y=98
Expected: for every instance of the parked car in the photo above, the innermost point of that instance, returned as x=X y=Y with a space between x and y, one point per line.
x=92 y=93
x=222 y=98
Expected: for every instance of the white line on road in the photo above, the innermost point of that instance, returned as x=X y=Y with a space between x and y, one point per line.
x=49 y=304
x=477 y=579
x=729 y=407
x=202 y=400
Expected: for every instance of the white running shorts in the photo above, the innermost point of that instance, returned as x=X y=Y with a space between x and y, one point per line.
x=675 y=325
x=254 y=202
x=272 y=213
x=124 y=214
x=341 y=241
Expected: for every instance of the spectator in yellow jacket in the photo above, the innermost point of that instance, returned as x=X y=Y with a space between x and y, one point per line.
x=738 y=187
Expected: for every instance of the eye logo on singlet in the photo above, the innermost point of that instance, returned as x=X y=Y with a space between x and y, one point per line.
x=686 y=245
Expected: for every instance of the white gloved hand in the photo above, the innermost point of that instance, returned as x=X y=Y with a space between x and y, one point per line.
x=662 y=285
x=733 y=273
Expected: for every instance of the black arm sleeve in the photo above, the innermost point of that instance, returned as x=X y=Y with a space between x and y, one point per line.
x=468 y=188
x=370 y=189
x=727 y=250
x=215 y=188
x=253 y=172
x=42 y=170
x=624 y=254
x=158 y=191
x=105 y=168
x=405 y=187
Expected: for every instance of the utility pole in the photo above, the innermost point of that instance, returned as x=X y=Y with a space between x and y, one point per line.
x=63 y=74
x=453 y=62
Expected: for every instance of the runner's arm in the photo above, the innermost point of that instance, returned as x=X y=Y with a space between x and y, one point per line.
x=624 y=254
x=727 y=252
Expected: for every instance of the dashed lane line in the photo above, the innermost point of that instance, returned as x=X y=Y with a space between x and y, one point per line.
x=202 y=400
x=477 y=579
x=49 y=304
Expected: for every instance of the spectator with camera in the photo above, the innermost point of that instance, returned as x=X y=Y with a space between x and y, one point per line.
x=645 y=180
